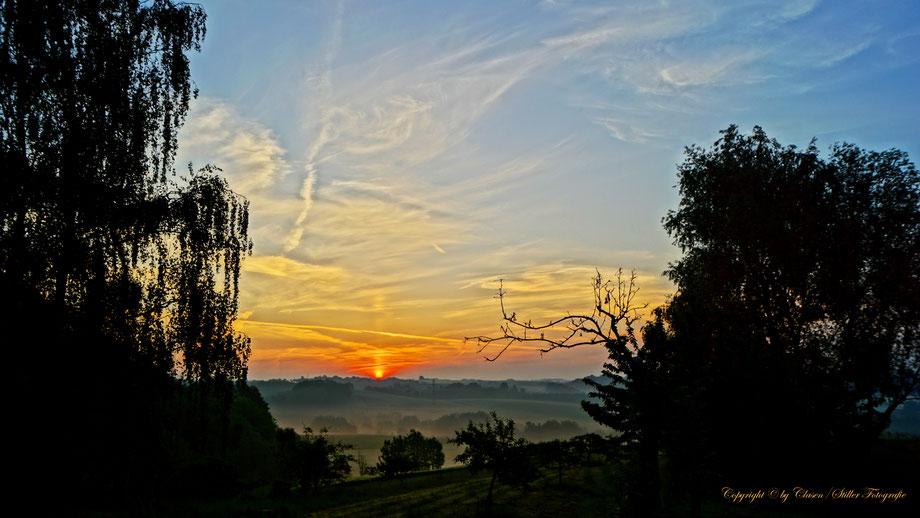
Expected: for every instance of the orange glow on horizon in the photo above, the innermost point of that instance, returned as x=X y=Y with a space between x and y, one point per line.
x=350 y=344
x=379 y=372
x=287 y=357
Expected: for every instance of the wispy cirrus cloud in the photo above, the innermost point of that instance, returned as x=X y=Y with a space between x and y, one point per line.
x=251 y=154
x=521 y=142
x=251 y=157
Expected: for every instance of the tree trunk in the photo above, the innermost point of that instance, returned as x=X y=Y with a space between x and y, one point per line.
x=489 y=498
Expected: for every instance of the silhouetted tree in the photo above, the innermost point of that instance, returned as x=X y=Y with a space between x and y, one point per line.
x=558 y=455
x=632 y=402
x=798 y=293
x=117 y=275
x=361 y=461
x=795 y=327
x=412 y=452
x=491 y=446
x=320 y=461
x=310 y=460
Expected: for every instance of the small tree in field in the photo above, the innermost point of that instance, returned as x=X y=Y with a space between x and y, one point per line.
x=312 y=459
x=361 y=461
x=491 y=446
x=413 y=452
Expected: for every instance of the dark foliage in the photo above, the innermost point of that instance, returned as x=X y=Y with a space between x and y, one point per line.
x=311 y=460
x=406 y=453
x=118 y=276
x=251 y=448
x=794 y=334
x=800 y=284
x=491 y=446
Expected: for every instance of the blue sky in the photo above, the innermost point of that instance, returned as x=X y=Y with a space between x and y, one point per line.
x=402 y=156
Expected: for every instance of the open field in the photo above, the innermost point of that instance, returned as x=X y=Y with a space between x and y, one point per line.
x=372 y=412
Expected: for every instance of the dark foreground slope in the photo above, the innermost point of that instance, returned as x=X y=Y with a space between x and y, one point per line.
x=453 y=492
x=584 y=491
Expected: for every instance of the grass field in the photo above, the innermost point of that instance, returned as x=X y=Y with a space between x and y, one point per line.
x=454 y=492
x=365 y=407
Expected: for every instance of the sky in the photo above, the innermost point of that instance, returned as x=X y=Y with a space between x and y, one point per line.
x=402 y=157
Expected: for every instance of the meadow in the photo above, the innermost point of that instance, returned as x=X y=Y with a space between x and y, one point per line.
x=455 y=492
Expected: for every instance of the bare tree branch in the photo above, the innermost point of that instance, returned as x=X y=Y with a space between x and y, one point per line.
x=612 y=318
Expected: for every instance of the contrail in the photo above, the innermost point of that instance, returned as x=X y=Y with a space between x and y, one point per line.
x=355 y=331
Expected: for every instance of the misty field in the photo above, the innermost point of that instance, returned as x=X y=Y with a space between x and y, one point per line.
x=395 y=406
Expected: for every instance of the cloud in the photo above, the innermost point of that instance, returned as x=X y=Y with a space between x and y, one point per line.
x=249 y=153
x=284 y=267
x=834 y=54
x=360 y=233
x=319 y=84
x=625 y=131
x=796 y=9
x=724 y=69
x=250 y=156
x=356 y=351
x=428 y=163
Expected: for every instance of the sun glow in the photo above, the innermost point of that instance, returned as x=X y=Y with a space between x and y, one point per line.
x=378 y=373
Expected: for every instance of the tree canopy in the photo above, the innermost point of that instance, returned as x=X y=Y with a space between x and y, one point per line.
x=118 y=274
x=795 y=329
x=413 y=452
x=800 y=283
x=491 y=446
x=94 y=218
x=313 y=460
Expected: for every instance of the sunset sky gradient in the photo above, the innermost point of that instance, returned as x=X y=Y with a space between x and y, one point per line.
x=401 y=157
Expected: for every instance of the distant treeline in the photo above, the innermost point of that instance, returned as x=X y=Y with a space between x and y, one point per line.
x=315 y=392
x=332 y=391
x=475 y=390
x=444 y=426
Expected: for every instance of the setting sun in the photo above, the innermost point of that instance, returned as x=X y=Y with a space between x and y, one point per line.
x=323 y=260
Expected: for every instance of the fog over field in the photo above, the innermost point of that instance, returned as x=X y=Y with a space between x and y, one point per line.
x=541 y=409
x=364 y=412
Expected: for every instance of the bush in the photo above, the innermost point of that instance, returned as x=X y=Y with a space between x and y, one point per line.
x=312 y=460
x=413 y=452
